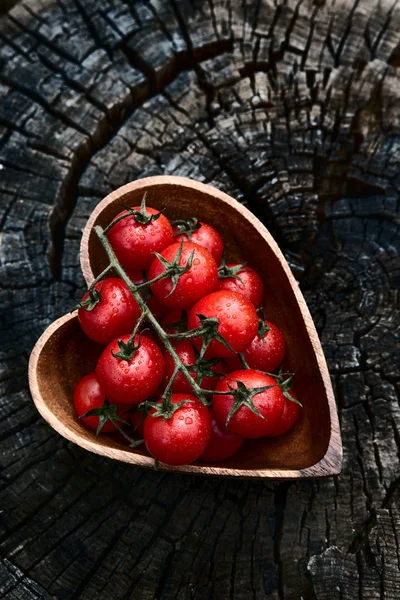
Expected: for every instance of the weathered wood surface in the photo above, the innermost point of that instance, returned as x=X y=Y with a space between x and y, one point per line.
x=294 y=109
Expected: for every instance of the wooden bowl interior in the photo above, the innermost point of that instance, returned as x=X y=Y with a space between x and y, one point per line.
x=307 y=443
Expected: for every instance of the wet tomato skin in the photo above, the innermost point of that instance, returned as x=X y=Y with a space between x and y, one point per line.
x=266 y=353
x=207 y=237
x=183 y=438
x=290 y=415
x=88 y=395
x=199 y=280
x=134 y=243
x=131 y=382
x=115 y=314
x=222 y=445
x=250 y=286
x=245 y=422
x=238 y=321
x=186 y=353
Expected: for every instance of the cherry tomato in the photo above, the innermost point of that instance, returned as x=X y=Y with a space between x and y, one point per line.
x=158 y=309
x=266 y=352
x=115 y=314
x=88 y=395
x=137 y=277
x=186 y=353
x=289 y=416
x=199 y=280
x=205 y=236
x=130 y=382
x=237 y=319
x=134 y=243
x=172 y=318
x=245 y=422
x=182 y=438
x=222 y=445
x=250 y=286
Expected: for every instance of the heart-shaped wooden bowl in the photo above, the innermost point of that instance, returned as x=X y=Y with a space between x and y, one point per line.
x=63 y=354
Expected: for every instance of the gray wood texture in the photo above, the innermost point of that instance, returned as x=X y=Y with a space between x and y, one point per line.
x=294 y=109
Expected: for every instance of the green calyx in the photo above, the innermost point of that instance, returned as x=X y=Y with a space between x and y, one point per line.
x=127 y=349
x=166 y=408
x=208 y=330
x=91 y=301
x=173 y=268
x=108 y=412
x=243 y=396
x=142 y=216
x=285 y=382
x=224 y=271
x=186 y=227
x=204 y=368
x=262 y=328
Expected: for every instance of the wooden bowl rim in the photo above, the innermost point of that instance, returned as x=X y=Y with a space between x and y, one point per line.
x=330 y=464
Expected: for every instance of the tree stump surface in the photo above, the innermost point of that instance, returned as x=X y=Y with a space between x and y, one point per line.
x=291 y=107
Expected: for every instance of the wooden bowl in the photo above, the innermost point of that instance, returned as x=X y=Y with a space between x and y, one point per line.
x=63 y=354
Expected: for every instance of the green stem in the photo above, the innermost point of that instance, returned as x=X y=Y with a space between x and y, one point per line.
x=147 y=312
x=171 y=381
x=133 y=443
x=100 y=277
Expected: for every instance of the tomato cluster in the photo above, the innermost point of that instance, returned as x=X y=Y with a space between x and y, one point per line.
x=189 y=359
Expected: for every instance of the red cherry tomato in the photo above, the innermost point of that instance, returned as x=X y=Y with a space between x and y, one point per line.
x=158 y=309
x=88 y=395
x=222 y=445
x=137 y=277
x=134 y=243
x=245 y=422
x=237 y=318
x=172 y=318
x=181 y=439
x=234 y=363
x=186 y=353
x=250 y=286
x=289 y=416
x=115 y=314
x=265 y=353
x=130 y=382
x=199 y=280
x=205 y=236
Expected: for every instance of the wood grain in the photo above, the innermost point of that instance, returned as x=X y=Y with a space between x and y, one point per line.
x=291 y=108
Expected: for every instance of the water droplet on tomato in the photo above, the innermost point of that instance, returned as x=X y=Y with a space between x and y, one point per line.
x=126 y=371
x=196 y=261
x=219 y=307
x=234 y=316
x=188 y=421
x=115 y=310
x=181 y=417
x=114 y=295
x=141 y=237
x=150 y=363
x=228 y=304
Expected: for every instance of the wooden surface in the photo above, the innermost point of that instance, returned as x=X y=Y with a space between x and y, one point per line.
x=292 y=108
x=62 y=356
